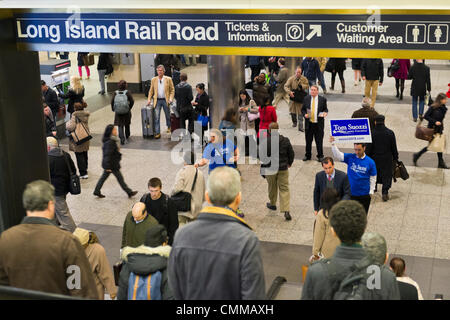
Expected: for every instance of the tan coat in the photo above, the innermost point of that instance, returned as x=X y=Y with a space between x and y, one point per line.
x=37 y=255
x=104 y=277
x=183 y=182
x=246 y=124
x=169 y=90
x=324 y=241
x=83 y=116
x=322 y=62
x=291 y=85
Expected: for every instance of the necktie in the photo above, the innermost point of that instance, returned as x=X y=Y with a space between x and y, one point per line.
x=313 y=110
x=329 y=178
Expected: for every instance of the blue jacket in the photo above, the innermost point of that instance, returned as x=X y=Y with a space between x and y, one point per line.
x=311 y=69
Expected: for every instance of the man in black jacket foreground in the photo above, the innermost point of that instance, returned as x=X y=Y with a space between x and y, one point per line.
x=383 y=150
x=61 y=167
x=348 y=221
x=275 y=167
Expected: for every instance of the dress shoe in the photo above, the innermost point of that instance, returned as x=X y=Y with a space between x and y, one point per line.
x=385 y=197
x=287 y=216
x=294 y=124
x=271 y=207
x=415 y=119
x=320 y=159
x=306 y=158
x=132 y=194
x=158 y=136
x=415 y=158
x=301 y=129
x=98 y=194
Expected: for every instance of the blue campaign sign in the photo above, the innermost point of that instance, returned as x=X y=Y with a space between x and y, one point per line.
x=340 y=31
x=351 y=130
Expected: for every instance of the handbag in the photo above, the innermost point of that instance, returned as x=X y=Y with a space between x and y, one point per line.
x=81 y=133
x=299 y=95
x=252 y=116
x=424 y=133
x=329 y=66
x=182 y=199
x=393 y=68
x=400 y=171
x=117 y=267
x=74 y=181
x=438 y=143
x=203 y=119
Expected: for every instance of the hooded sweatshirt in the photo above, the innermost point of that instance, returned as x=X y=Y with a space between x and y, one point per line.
x=143 y=261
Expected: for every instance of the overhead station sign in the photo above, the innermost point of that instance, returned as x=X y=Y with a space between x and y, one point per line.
x=401 y=32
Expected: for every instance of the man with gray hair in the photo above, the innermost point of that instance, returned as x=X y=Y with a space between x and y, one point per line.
x=367 y=111
x=376 y=248
x=217 y=256
x=61 y=168
x=36 y=255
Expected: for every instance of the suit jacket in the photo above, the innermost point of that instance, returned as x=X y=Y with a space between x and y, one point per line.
x=340 y=182
x=169 y=90
x=322 y=107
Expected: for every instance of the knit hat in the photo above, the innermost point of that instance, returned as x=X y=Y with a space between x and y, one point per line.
x=379 y=118
x=82 y=235
x=155 y=236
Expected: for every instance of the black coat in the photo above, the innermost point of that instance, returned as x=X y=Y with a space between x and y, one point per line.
x=372 y=69
x=338 y=64
x=49 y=126
x=59 y=172
x=203 y=104
x=51 y=99
x=80 y=56
x=383 y=150
x=436 y=114
x=285 y=156
x=366 y=112
x=122 y=119
x=407 y=291
x=260 y=91
x=183 y=96
x=322 y=107
x=73 y=97
x=421 y=82
x=104 y=60
x=340 y=182
x=111 y=155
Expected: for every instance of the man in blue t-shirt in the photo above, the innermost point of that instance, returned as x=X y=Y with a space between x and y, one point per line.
x=361 y=172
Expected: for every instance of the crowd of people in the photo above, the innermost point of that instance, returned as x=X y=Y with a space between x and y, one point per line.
x=174 y=247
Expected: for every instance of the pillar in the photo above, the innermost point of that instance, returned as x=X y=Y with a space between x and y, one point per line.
x=225 y=79
x=23 y=150
x=292 y=63
x=131 y=73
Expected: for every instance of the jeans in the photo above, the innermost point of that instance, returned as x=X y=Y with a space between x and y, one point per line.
x=101 y=78
x=124 y=135
x=119 y=178
x=414 y=105
x=82 y=162
x=62 y=214
x=311 y=82
x=161 y=104
x=322 y=81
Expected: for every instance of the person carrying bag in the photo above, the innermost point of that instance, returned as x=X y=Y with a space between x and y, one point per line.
x=183 y=199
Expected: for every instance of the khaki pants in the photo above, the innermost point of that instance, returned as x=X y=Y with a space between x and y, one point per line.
x=371 y=85
x=279 y=181
x=279 y=96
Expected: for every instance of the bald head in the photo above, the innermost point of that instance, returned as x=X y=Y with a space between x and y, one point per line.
x=139 y=211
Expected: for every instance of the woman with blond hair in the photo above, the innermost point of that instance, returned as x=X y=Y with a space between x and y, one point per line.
x=75 y=93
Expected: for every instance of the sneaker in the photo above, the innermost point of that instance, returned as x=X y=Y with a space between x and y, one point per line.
x=132 y=194
x=287 y=216
x=239 y=213
x=84 y=177
x=98 y=194
x=271 y=207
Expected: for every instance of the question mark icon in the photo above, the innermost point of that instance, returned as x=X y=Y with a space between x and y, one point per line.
x=294 y=32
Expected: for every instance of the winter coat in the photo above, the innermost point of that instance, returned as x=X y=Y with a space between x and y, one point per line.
x=311 y=69
x=82 y=116
x=338 y=64
x=183 y=96
x=372 y=69
x=384 y=145
x=73 y=97
x=324 y=242
x=366 y=112
x=80 y=56
x=203 y=104
x=59 y=172
x=133 y=234
x=111 y=155
x=184 y=181
x=51 y=99
x=436 y=114
x=37 y=255
x=216 y=257
x=49 y=125
x=281 y=79
x=267 y=115
x=402 y=72
x=246 y=124
x=421 y=82
x=356 y=63
x=103 y=275
x=104 y=60
x=260 y=91
x=285 y=156
x=122 y=119
x=143 y=261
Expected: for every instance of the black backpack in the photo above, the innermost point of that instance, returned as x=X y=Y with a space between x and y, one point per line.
x=350 y=283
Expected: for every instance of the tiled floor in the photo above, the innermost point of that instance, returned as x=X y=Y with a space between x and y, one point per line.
x=415 y=222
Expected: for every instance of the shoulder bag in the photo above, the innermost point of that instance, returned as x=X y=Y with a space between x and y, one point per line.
x=400 y=171
x=182 y=199
x=74 y=183
x=81 y=133
x=437 y=144
x=424 y=133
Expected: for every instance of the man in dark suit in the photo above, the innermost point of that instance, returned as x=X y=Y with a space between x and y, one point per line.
x=314 y=110
x=330 y=178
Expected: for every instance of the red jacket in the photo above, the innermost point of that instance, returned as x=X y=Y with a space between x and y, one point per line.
x=267 y=115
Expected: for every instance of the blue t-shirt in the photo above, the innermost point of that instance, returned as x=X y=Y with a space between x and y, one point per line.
x=220 y=155
x=359 y=172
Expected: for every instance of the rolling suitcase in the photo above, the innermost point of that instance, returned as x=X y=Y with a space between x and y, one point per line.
x=174 y=123
x=148 y=125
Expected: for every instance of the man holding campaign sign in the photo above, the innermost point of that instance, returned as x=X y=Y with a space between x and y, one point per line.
x=361 y=170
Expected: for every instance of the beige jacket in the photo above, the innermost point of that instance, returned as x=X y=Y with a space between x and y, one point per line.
x=83 y=116
x=103 y=274
x=324 y=241
x=169 y=90
x=322 y=62
x=183 y=182
x=246 y=124
x=292 y=83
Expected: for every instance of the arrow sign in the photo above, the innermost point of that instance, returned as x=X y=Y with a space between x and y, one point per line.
x=316 y=30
